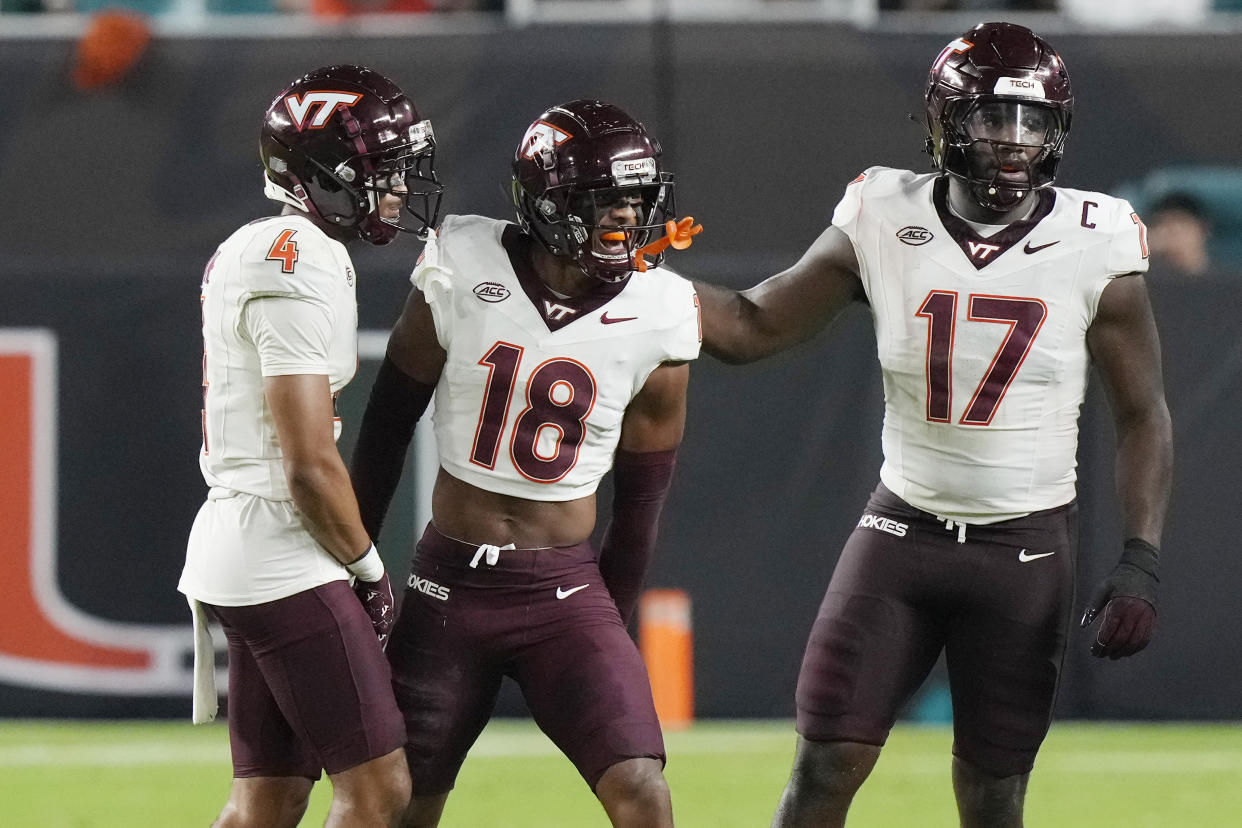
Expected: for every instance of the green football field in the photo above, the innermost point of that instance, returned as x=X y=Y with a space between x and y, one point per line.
x=137 y=774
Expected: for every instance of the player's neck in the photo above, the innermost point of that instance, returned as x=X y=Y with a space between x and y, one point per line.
x=562 y=276
x=964 y=206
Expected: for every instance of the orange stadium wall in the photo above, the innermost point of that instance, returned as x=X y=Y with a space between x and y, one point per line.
x=114 y=200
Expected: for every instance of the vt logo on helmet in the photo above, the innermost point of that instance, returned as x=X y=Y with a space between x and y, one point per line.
x=541 y=141
x=300 y=107
x=589 y=184
x=337 y=140
x=999 y=104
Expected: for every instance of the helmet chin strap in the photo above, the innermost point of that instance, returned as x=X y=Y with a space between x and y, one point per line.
x=375 y=230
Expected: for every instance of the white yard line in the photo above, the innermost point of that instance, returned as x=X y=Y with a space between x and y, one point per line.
x=508 y=742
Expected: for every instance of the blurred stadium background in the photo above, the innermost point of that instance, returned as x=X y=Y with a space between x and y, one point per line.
x=128 y=151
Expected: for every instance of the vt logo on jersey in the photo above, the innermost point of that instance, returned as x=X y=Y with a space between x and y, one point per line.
x=556 y=312
x=982 y=250
x=327 y=101
x=542 y=139
x=914 y=235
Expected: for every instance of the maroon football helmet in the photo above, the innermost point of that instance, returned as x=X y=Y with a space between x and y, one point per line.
x=999 y=103
x=575 y=161
x=337 y=139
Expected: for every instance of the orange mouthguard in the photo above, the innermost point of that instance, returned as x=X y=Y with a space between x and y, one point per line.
x=612 y=236
x=678 y=235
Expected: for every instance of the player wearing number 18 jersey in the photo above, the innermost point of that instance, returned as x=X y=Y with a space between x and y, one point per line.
x=553 y=354
x=991 y=292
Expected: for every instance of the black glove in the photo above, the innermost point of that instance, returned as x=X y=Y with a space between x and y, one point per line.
x=1128 y=599
x=376 y=598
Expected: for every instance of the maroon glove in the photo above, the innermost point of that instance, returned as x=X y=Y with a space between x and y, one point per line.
x=376 y=598
x=373 y=589
x=1127 y=598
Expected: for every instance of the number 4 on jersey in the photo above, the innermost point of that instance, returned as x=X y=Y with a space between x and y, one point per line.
x=285 y=251
x=1023 y=316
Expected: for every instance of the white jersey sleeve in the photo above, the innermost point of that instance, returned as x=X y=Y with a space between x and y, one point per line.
x=291 y=336
x=292 y=262
x=845 y=216
x=436 y=283
x=1128 y=253
x=682 y=337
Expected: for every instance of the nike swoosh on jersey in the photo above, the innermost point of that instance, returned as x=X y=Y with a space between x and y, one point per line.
x=607 y=320
x=565 y=593
x=1028 y=249
x=1023 y=557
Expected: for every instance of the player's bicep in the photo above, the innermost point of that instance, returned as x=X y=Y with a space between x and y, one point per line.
x=1125 y=347
x=655 y=419
x=414 y=346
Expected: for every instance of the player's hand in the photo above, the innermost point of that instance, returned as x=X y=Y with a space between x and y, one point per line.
x=374 y=590
x=1127 y=599
x=377 y=600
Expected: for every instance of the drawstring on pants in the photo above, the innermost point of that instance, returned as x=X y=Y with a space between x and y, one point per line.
x=491 y=552
x=949 y=524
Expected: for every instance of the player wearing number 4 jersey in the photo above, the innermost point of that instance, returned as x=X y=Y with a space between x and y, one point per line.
x=275 y=549
x=554 y=354
x=991 y=291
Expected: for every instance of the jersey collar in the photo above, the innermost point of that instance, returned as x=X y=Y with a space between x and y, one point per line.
x=555 y=311
x=983 y=250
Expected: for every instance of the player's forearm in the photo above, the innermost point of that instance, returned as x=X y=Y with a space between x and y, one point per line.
x=322 y=493
x=641 y=483
x=1145 y=472
x=733 y=326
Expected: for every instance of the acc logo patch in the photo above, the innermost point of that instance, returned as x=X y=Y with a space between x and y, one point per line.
x=914 y=235
x=491 y=291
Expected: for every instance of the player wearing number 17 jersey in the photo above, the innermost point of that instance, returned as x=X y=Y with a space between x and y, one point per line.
x=991 y=292
x=554 y=354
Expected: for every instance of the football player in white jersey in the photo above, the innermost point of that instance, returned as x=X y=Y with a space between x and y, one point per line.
x=554 y=354
x=991 y=291
x=276 y=546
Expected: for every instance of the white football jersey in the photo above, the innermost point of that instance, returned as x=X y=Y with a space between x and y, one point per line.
x=277 y=299
x=286 y=257
x=982 y=340
x=535 y=386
